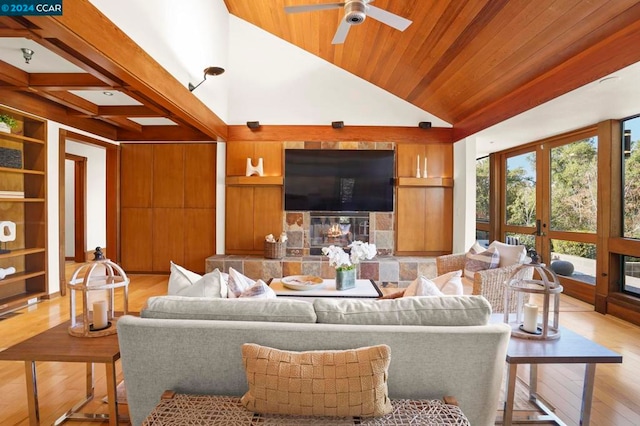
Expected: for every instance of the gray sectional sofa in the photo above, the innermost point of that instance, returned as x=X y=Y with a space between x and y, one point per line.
x=439 y=345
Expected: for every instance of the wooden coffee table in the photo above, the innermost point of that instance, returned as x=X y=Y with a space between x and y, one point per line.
x=364 y=288
x=57 y=345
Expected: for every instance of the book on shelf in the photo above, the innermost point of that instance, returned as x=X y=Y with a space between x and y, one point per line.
x=11 y=194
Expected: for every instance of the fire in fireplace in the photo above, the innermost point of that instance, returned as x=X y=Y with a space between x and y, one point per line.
x=338 y=229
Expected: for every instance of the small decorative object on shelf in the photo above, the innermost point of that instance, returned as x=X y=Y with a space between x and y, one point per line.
x=418 y=167
x=6 y=271
x=424 y=169
x=7 y=234
x=11 y=158
x=7 y=123
x=98 y=277
x=526 y=322
x=254 y=170
x=346 y=264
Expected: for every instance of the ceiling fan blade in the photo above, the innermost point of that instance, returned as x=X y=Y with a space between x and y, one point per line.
x=312 y=7
x=341 y=33
x=388 y=18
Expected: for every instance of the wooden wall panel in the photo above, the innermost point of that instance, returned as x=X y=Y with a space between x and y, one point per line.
x=168 y=175
x=239 y=218
x=237 y=153
x=199 y=238
x=406 y=155
x=438 y=217
x=136 y=239
x=439 y=160
x=136 y=174
x=410 y=209
x=271 y=154
x=267 y=205
x=168 y=239
x=199 y=176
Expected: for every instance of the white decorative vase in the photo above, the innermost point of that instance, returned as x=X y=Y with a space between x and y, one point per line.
x=254 y=170
x=4 y=128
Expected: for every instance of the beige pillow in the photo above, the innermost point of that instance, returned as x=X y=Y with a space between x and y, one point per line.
x=509 y=254
x=317 y=383
x=422 y=286
x=450 y=283
x=183 y=282
x=480 y=260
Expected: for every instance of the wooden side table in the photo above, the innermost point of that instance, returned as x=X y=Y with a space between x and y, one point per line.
x=57 y=345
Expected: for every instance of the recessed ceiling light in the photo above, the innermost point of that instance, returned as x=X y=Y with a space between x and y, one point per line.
x=107 y=93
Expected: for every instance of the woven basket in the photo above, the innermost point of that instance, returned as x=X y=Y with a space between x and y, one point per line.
x=274 y=250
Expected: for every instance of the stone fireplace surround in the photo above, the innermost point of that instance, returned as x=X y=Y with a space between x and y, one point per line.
x=385 y=269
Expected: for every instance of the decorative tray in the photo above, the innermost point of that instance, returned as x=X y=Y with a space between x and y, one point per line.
x=302 y=282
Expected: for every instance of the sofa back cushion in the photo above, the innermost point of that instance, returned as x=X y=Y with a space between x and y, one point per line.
x=428 y=310
x=245 y=309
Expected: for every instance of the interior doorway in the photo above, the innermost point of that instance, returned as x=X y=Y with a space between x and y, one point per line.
x=75 y=207
x=107 y=209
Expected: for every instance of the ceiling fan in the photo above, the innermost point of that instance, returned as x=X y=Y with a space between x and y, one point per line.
x=355 y=12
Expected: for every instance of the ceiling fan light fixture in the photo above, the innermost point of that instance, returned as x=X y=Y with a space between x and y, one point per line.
x=355 y=12
x=213 y=71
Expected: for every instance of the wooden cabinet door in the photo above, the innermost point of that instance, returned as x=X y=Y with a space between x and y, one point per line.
x=168 y=176
x=268 y=214
x=239 y=219
x=136 y=175
x=136 y=239
x=438 y=219
x=410 y=210
x=200 y=176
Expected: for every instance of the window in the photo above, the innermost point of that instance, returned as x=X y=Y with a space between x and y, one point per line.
x=631 y=277
x=521 y=190
x=482 y=189
x=631 y=177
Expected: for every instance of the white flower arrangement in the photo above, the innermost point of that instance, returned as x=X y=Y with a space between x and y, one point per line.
x=342 y=261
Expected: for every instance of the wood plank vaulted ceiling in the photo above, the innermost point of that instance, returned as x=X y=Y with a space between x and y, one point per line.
x=473 y=63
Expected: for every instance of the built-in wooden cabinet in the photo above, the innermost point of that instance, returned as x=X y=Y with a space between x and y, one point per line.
x=254 y=204
x=23 y=203
x=424 y=205
x=167 y=205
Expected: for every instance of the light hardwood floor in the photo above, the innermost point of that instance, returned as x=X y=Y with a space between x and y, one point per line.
x=616 y=397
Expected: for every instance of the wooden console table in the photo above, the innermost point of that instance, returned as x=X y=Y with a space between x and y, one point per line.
x=57 y=345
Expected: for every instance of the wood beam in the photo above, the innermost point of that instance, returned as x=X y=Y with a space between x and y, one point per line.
x=52 y=111
x=104 y=44
x=66 y=81
x=128 y=111
x=347 y=133
x=122 y=122
x=163 y=133
x=606 y=57
x=12 y=75
x=72 y=101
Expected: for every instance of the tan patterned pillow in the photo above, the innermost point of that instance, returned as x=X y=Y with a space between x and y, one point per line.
x=317 y=383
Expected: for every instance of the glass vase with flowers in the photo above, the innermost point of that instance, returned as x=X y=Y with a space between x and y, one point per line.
x=346 y=263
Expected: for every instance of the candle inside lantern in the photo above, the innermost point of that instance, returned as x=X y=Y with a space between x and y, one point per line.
x=530 y=323
x=100 y=315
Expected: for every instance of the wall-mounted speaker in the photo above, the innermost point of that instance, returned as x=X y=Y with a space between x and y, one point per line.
x=253 y=125
x=424 y=124
x=337 y=124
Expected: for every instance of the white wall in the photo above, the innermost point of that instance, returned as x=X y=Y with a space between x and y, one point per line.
x=464 y=194
x=69 y=208
x=275 y=82
x=185 y=37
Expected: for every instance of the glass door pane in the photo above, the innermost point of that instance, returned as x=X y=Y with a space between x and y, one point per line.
x=520 y=208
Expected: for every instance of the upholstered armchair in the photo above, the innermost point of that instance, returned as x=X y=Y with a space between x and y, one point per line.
x=490 y=283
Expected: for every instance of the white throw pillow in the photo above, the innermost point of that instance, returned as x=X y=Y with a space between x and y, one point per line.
x=183 y=282
x=260 y=291
x=238 y=283
x=509 y=254
x=422 y=286
x=450 y=283
x=480 y=260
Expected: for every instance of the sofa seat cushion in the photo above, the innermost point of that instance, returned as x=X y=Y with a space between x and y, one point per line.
x=427 y=310
x=244 y=309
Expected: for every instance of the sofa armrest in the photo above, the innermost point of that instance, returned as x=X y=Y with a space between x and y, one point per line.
x=491 y=284
x=450 y=262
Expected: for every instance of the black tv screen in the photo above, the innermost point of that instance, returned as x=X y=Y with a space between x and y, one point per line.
x=338 y=180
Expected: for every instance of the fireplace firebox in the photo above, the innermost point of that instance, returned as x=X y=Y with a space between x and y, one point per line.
x=338 y=229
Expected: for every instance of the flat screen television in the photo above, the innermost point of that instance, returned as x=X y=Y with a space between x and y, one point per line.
x=338 y=180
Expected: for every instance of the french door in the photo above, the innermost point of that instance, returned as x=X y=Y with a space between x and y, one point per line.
x=549 y=200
